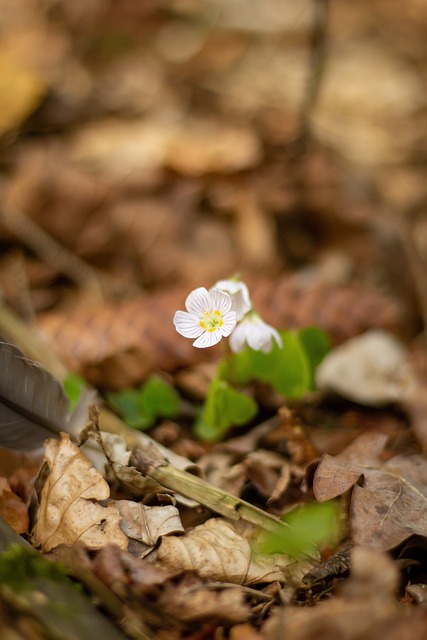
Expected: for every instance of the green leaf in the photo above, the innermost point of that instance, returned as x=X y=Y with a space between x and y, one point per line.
x=237 y=368
x=316 y=344
x=286 y=369
x=140 y=408
x=224 y=408
x=159 y=399
x=128 y=404
x=289 y=370
x=73 y=385
x=310 y=526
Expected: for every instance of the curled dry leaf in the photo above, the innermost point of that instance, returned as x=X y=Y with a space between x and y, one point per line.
x=214 y=550
x=69 y=509
x=388 y=501
x=148 y=524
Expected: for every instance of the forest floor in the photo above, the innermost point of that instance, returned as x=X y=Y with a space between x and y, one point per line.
x=152 y=148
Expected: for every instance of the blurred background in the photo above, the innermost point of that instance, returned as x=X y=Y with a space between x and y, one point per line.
x=152 y=146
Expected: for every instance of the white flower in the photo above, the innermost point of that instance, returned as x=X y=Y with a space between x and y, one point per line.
x=255 y=333
x=239 y=294
x=208 y=317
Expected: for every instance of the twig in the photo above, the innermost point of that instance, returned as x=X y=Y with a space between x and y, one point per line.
x=417 y=263
x=49 y=250
x=148 y=462
x=317 y=67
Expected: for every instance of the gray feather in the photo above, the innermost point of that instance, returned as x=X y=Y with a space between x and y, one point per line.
x=33 y=404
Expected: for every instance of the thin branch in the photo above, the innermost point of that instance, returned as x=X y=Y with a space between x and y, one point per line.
x=317 y=67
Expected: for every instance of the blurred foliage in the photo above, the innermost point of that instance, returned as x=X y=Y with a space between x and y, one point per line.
x=310 y=526
x=224 y=408
x=141 y=407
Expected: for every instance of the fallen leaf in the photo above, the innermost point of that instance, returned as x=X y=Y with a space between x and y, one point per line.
x=371 y=369
x=214 y=550
x=365 y=605
x=370 y=89
x=69 y=509
x=148 y=524
x=244 y=632
x=190 y=146
x=388 y=500
x=12 y=508
x=191 y=602
x=202 y=146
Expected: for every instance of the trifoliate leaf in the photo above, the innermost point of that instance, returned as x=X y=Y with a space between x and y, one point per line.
x=316 y=344
x=128 y=404
x=286 y=369
x=140 y=408
x=159 y=399
x=224 y=408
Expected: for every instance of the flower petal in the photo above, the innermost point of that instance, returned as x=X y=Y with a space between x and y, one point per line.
x=238 y=338
x=239 y=293
x=256 y=336
x=220 y=300
x=229 y=323
x=276 y=335
x=208 y=339
x=187 y=324
x=198 y=301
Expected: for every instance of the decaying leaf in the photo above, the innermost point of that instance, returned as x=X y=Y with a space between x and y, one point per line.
x=148 y=524
x=166 y=595
x=365 y=605
x=387 y=93
x=193 y=147
x=388 y=500
x=69 y=509
x=191 y=602
x=12 y=508
x=216 y=551
x=116 y=450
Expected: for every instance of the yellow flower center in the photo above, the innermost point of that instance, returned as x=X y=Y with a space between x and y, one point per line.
x=211 y=320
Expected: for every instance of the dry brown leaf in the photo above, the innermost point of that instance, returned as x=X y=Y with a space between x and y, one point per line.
x=12 y=508
x=69 y=510
x=191 y=146
x=148 y=524
x=366 y=605
x=371 y=90
x=207 y=145
x=214 y=550
x=372 y=369
x=195 y=603
x=388 y=501
x=122 y=572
